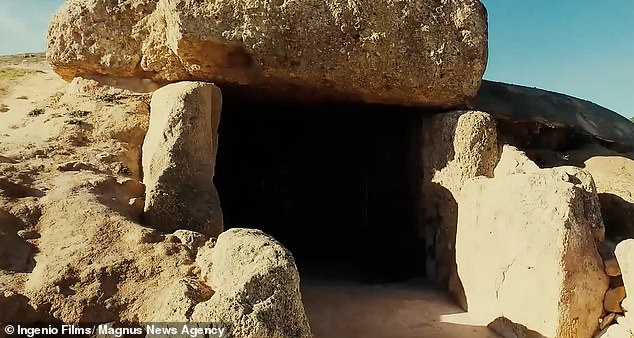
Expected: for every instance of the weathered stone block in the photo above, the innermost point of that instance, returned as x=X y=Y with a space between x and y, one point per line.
x=179 y=154
x=526 y=251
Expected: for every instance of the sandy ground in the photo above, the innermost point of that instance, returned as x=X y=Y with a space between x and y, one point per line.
x=404 y=310
x=28 y=84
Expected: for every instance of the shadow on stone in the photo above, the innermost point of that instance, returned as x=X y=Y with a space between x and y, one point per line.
x=16 y=308
x=618 y=217
x=16 y=254
x=13 y=190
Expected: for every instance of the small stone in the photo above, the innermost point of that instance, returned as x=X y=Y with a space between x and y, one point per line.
x=40 y=154
x=74 y=166
x=29 y=234
x=612 y=267
x=613 y=298
x=508 y=329
x=607 y=320
x=103 y=156
x=109 y=304
x=191 y=239
x=137 y=203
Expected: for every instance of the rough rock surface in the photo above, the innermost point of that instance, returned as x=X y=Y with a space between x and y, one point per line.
x=108 y=267
x=519 y=104
x=625 y=255
x=513 y=161
x=607 y=321
x=256 y=286
x=612 y=268
x=427 y=52
x=179 y=154
x=526 y=251
x=507 y=329
x=613 y=173
x=613 y=298
x=456 y=146
x=72 y=248
x=614 y=177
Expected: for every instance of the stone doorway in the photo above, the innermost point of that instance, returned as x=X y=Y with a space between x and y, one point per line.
x=333 y=182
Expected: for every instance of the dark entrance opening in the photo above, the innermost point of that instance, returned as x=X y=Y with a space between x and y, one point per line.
x=332 y=182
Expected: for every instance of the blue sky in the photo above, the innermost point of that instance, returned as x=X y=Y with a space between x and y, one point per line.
x=581 y=48
x=23 y=24
x=577 y=47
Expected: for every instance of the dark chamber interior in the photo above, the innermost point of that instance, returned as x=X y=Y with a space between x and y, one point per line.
x=331 y=182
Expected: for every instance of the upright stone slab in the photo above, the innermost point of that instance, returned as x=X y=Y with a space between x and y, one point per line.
x=456 y=146
x=625 y=256
x=526 y=252
x=179 y=154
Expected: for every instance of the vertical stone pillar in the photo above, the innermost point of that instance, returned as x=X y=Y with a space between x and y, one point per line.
x=179 y=154
x=456 y=146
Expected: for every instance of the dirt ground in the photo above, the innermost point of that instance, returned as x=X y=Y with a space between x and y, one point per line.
x=403 y=310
